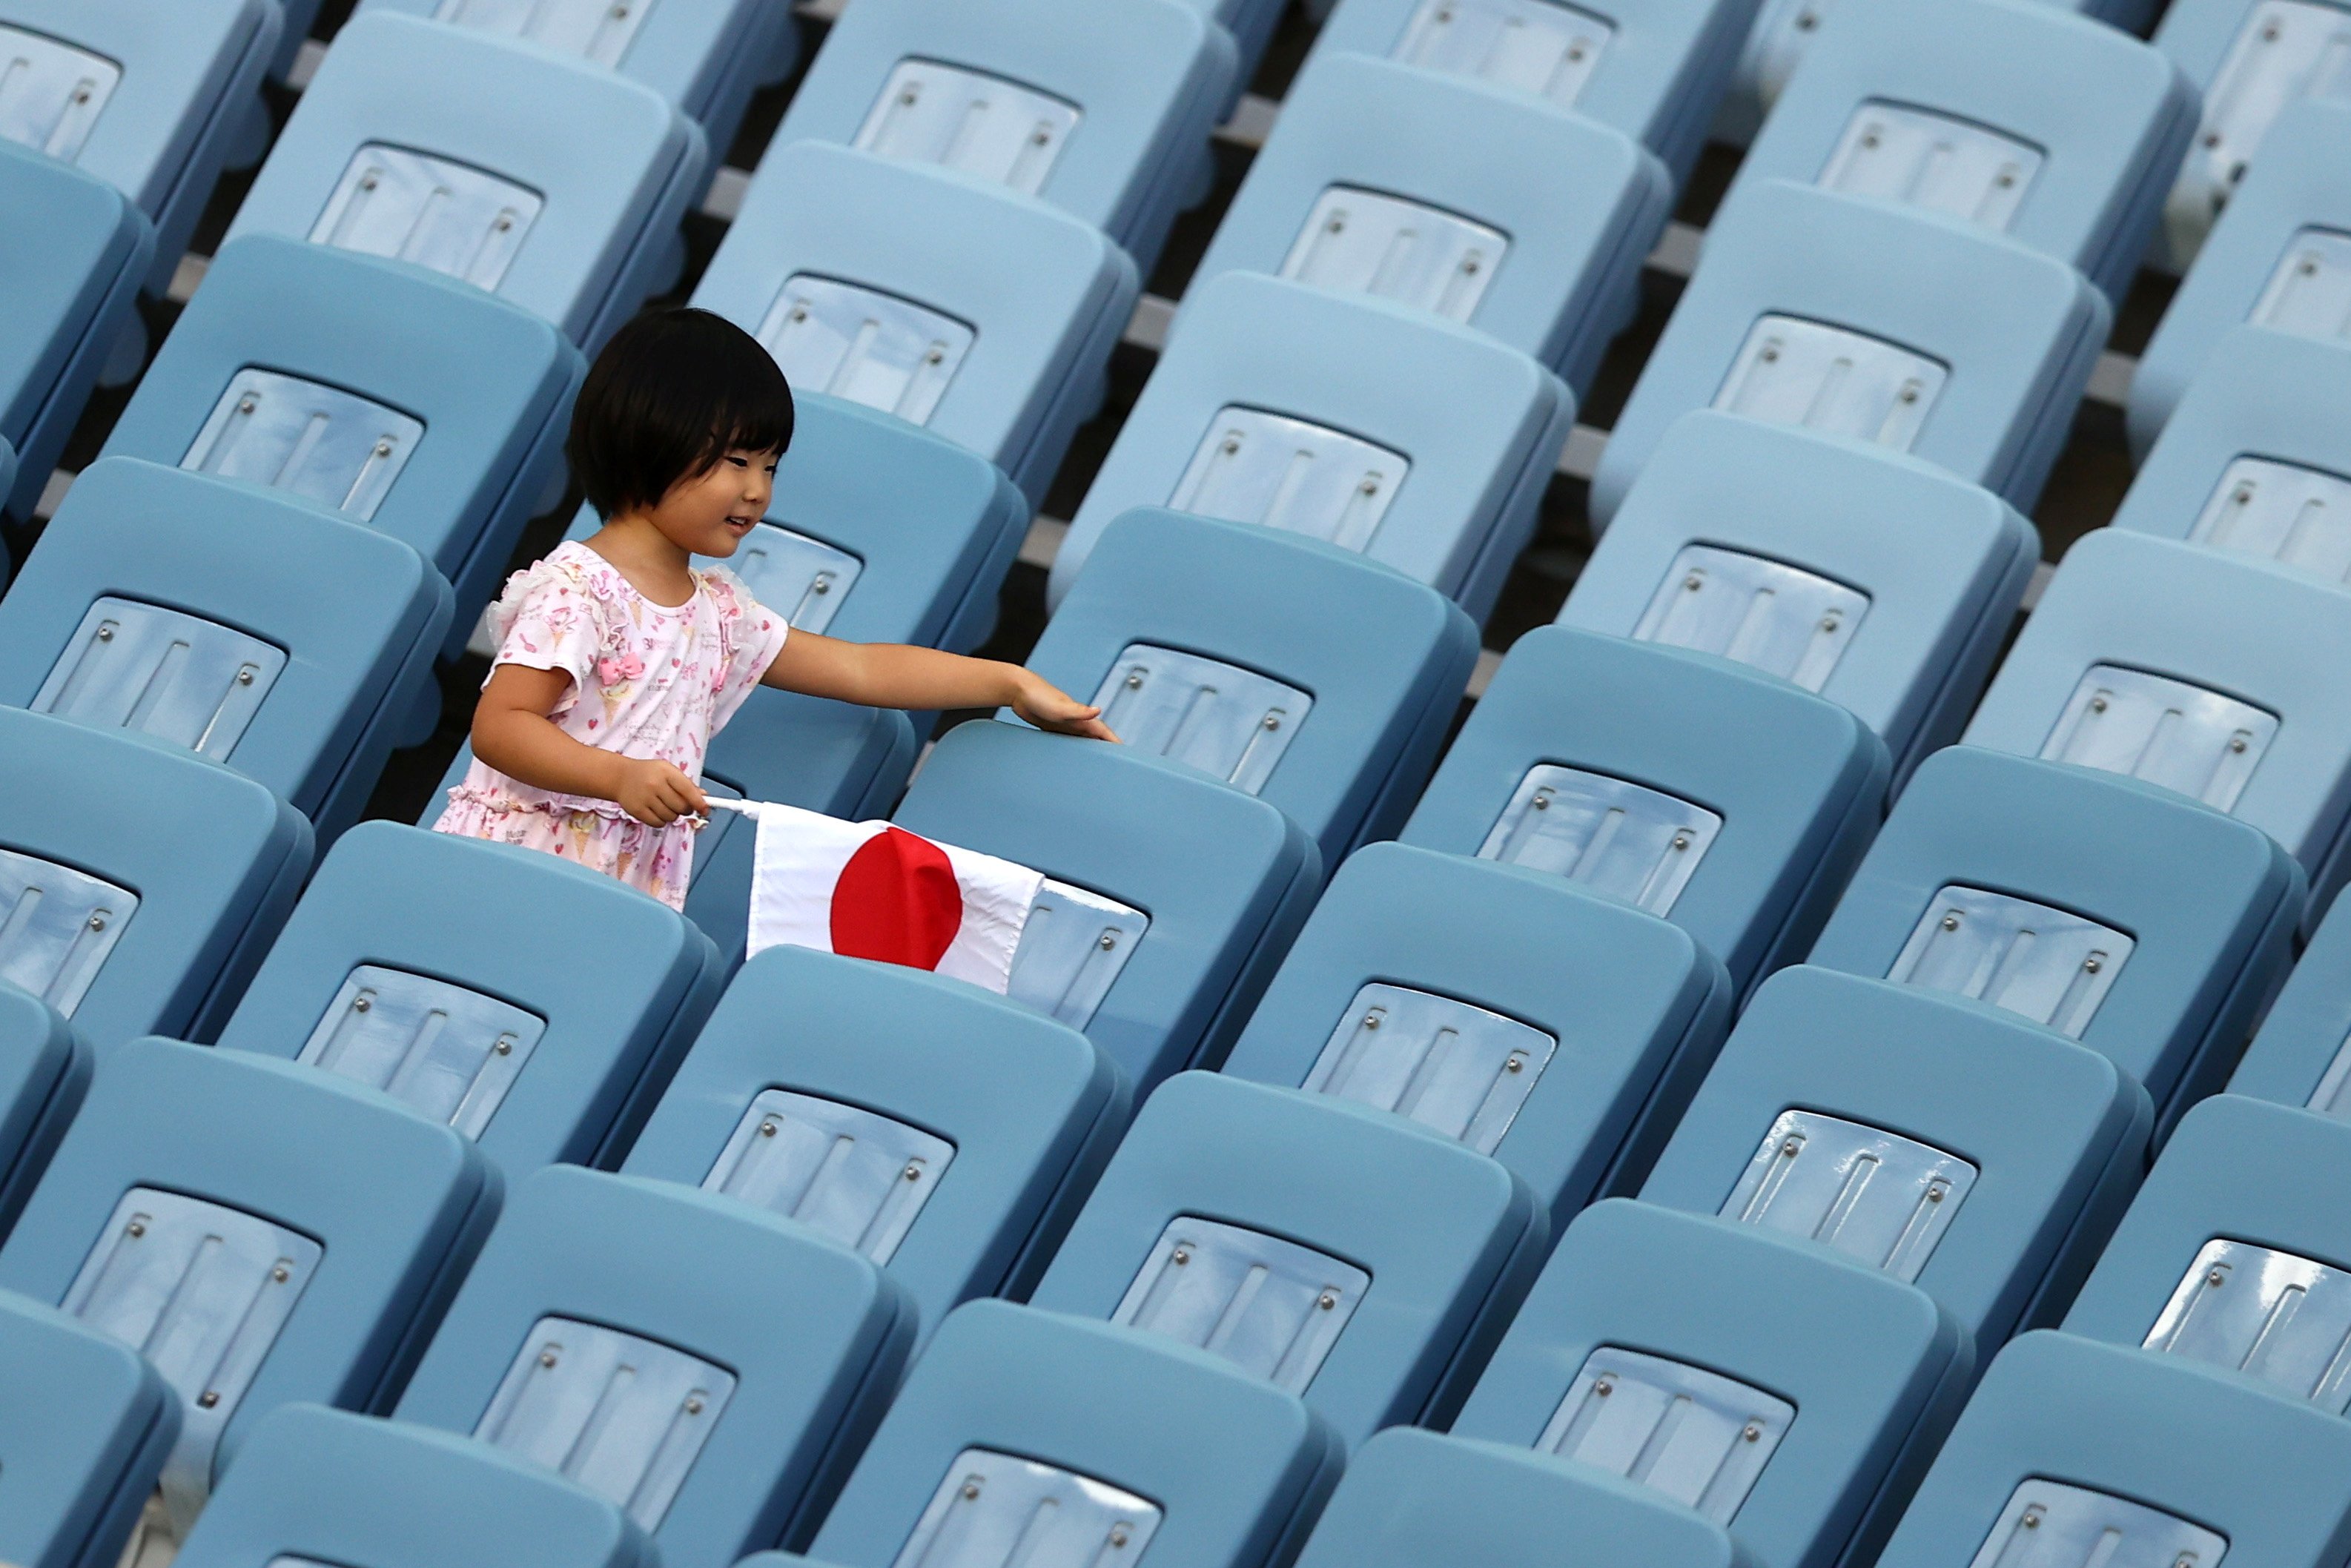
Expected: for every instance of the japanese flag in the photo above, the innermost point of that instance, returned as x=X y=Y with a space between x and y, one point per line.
x=869 y=890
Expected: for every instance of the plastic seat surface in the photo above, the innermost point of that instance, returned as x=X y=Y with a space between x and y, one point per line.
x=207 y=902
x=1654 y=72
x=593 y=170
x=489 y=384
x=71 y=260
x=2008 y=335
x=1042 y=295
x=87 y=1423
x=1227 y=1463
x=1380 y=659
x=148 y=99
x=324 y=1485
x=1225 y=879
x=2276 y=258
x=2177 y=1460
x=2299 y=1057
x=1450 y=1241
x=2252 y=60
x=1476 y=427
x=2270 y=739
x=45 y=1070
x=1594 y=1021
x=2053 y=128
x=1027 y=1109
x=1908 y=578
x=136 y=544
x=1795 y=782
x=1875 y=1372
x=1574 y=204
x=2231 y=1256
x=372 y=1213
x=2255 y=462
x=418 y=929
x=809 y=1337
x=2204 y=908
x=1130 y=90
x=2048 y=1139
x=1412 y=1497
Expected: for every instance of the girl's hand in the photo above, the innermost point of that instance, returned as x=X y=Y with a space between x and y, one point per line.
x=1048 y=706
x=655 y=793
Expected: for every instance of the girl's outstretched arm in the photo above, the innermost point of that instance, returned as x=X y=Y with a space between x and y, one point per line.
x=891 y=675
x=513 y=734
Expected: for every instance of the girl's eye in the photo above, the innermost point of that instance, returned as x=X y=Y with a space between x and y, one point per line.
x=738 y=462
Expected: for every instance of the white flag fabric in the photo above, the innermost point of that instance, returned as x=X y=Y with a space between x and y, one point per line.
x=871 y=889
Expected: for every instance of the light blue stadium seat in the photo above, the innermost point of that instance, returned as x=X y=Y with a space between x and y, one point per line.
x=1115 y=1443
x=1169 y=897
x=1101 y=107
x=2254 y=458
x=148 y=99
x=1653 y=72
x=980 y=313
x=1424 y=445
x=2051 y=127
x=262 y=1232
x=1995 y=1152
x=396 y=397
x=72 y=254
x=1362 y=1263
x=2251 y=59
x=391 y=1495
x=548 y=181
x=403 y=968
x=1905 y=329
x=245 y=625
x=1782 y=1393
x=705 y=1388
x=1411 y=1497
x=1726 y=800
x=1554 y=1028
x=85 y=1424
x=2071 y=1447
x=2235 y=1252
x=1874 y=579
x=2135 y=629
x=888 y=1080
x=2280 y=257
x=1289 y=668
x=2114 y=912
x=2300 y=1056
x=1999 y=1154
x=1463 y=199
x=157 y=879
x=1252 y=23
x=707 y=58
x=45 y=1068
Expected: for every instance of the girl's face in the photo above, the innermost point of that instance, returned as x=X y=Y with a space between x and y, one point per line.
x=710 y=513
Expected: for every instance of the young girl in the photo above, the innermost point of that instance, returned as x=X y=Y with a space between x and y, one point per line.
x=617 y=660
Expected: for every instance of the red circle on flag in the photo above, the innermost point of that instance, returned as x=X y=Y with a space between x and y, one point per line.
x=897 y=902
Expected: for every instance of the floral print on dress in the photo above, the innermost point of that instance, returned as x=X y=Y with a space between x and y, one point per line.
x=647 y=681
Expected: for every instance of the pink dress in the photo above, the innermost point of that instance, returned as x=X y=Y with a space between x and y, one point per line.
x=647 y=680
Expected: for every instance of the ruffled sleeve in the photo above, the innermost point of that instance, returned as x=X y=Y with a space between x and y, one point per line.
x=750 y=636
x=549 y=618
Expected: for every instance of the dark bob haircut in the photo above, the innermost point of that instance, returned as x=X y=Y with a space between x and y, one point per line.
x=672 y=393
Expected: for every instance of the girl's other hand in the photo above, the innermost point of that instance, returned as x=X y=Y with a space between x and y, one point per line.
x=1048 y=706
x=655 y=793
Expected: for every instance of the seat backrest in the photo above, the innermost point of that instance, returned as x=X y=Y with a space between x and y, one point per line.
x=85 y=1424
x=2303 y=1054
x=45 y=1068
x=1723 y=799
x=404 y=968
x=1996 y=1156
x=889 y=1079
x=1264 y=1219
x=1554 y=1028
